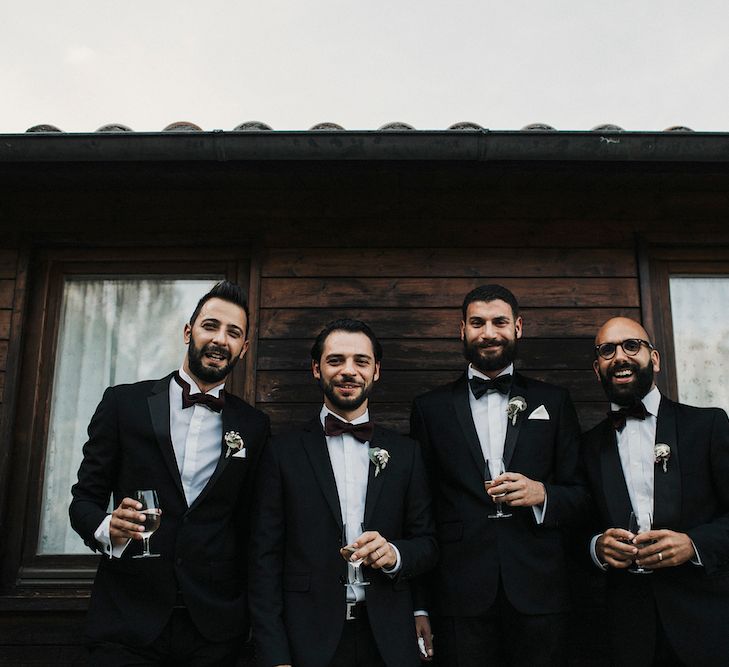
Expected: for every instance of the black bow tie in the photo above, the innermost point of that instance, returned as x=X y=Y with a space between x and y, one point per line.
x=617 y=417
x=362 y=432
x=479 y=386
x=188 y=400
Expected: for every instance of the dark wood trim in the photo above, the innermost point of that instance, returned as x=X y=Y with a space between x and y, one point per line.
x=254 y=307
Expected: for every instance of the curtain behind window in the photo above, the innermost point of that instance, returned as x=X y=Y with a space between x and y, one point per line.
x=701 y=339
x=111 y=332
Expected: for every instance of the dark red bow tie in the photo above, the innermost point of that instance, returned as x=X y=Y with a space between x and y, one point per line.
x=617 y=417
x=362 y=432
x=188 y=400
x=479 y=386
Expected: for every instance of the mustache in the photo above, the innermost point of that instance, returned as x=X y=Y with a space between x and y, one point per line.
x=211 y=347
x=490 y=343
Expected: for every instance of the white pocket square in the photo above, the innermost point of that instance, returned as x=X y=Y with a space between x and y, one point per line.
x=240 y=454
x=540 y=413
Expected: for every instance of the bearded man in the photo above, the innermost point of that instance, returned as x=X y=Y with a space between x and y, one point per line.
x=197 y=446
x=668 y=585
x=342 y=481
x=500 y=591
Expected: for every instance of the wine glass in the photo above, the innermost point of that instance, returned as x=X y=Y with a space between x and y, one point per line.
x=639 y=522
x=152 y=517
x=494 y=468
x=347 y=550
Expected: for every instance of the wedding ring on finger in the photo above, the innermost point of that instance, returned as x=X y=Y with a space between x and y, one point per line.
x=660 y=556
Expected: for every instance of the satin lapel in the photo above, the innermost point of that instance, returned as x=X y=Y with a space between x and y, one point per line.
x=518 y=388
x=374 y=482
x=159 y=411
x=315 y=445
x=613 y=481
x=231 y=422
x=667 y=485
x=462 y=407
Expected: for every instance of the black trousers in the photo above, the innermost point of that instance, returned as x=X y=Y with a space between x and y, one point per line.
x=357 y=647
x=179 y=645
x=503 y=636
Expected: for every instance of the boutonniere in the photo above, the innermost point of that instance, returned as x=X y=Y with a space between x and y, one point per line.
x=516 y=405
x=379 y=457
x=662 y=453
x=234 y=441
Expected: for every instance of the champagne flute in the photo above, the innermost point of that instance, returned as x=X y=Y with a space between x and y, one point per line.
x=152 y=517
x=639 y=522
x=494 y=468
x=347 y=550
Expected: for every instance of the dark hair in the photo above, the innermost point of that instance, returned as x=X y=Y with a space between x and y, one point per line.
x=351 y=326
x=227 y=291
x=490 y=293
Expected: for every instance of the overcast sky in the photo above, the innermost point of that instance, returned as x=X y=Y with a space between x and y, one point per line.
x=643 y=64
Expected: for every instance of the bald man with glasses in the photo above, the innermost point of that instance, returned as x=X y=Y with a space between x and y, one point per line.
x=667 y=581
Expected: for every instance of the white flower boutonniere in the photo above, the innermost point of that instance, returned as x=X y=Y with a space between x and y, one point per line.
x=516 y=405
x=234 y=441
x=379 y=457
x=662 y=453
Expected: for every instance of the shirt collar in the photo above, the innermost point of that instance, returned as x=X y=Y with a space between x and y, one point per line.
x=194 y=389
x=651 y=401
x=472 y=372
x=359 y=420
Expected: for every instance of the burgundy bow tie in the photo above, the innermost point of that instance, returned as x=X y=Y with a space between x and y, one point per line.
x=362 y=432
x=617 y=417
x=479 y=386
x=188 y=400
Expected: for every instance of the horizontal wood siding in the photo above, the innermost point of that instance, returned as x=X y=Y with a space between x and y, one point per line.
x=411 y=298
x=8 y=268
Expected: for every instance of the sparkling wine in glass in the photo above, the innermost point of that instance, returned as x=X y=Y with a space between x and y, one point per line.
x=347 y=550
x=152 y=517
x=494 y=468
x=639 y=522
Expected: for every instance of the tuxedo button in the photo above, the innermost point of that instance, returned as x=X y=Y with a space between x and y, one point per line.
x=185 y=519
x=178 y=561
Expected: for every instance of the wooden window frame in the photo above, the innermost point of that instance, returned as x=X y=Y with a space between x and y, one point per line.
x=25 y=574
x=657 y=265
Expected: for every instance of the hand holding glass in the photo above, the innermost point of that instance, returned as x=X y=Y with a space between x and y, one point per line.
x=346 y=551
x=640 y=522
x=152 y=517
x=494 y=468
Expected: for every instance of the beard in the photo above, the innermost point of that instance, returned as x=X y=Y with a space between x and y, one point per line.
x=628 y=394
x=208 y=373
x=486 y=361
x=349 y=403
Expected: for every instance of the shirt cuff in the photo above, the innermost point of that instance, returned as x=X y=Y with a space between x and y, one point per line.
x=103 y=538
x=540 y=511
x=593 y=553
x=420 y=612
x=696 y=561
x=398 y=563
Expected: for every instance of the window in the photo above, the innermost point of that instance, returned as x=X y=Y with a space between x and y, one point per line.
x=93 y=318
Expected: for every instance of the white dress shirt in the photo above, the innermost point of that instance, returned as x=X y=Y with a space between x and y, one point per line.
x=351 y=465
x=636 y=444
x=491 y=420
x=196 y=434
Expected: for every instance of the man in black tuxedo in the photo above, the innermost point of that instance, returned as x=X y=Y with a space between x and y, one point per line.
x=340 y=481
x=198 y=447
x=671 y=461
x=500 y=591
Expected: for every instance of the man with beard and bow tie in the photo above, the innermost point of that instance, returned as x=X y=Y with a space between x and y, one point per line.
x=341 y=481
x=654 y=457
x=197 y=446
x=500 y=591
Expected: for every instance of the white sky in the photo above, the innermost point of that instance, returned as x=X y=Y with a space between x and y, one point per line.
x=641 y=64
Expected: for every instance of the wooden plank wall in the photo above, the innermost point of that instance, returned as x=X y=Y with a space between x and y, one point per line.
x=411 y=297
x=8 y=267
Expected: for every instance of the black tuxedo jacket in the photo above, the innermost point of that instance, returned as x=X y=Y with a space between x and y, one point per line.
x=202 y=548
x=476 y=551
x=692 y=497
x=297 y=576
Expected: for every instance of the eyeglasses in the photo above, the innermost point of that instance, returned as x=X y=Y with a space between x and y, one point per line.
x=631 y=347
